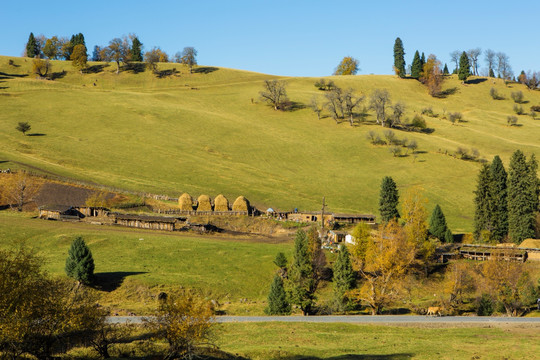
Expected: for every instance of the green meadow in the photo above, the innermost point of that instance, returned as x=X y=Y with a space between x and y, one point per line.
x=132 y=266
x=209 y=133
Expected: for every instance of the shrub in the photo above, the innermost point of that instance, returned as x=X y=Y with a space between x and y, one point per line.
x=371 y=136
x=518 y=109
x=511 y=120
x=418 y=122
x=428 y=111
x=533 y=114
x=484 y=305
x=455 y=117
x=462 y=152
x=390 y=136
x=11 y=62
x=535 y=108
x=495 y=94
x=517 y=96
x=395 y=150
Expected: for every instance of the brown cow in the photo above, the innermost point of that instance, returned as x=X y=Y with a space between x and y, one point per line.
x=434 y=310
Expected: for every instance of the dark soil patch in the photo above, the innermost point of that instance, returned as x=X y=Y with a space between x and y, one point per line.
x=52 y=193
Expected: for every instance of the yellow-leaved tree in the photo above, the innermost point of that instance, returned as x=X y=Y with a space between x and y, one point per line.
x=347 y=66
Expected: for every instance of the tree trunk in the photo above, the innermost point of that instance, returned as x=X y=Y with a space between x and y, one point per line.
x=117 y=67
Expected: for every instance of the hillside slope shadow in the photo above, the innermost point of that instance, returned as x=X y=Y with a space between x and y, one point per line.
x=110 y=281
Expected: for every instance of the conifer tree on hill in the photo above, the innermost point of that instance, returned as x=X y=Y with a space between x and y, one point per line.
x=79 y=263
x=464 y=67
x=437 y=224
x=499 y=196
x=344 y=277
x=399 y=58
x=136 y=49
x=482 y=202
x=31 y=46
x=301 y=275
x=388 y=200
x=277 y=298
x=416 y=67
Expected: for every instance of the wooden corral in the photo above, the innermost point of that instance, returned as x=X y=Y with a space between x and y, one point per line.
x=486 y=252
x=354 y=218
x=309 y=217
x=93 y=211
x=58 y=212
x=145 y=222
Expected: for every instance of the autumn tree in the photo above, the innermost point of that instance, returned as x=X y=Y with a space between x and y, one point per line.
x=389 y=257
x=41 y=67
x=379 y=101
x=458 y=283
x=361 y=237
x=347 y=66
x=510 y=284
x=432 y=75
x=274 y=93
x=23 y=126
x=79 y=57
x=153 y=57
x=399 y=58
x=117 y=51
x=52 y=48
x=388 y=200
x=301 y=279
x=41 y=316
x=189 y=57
x=19 y=189
x=185 y=320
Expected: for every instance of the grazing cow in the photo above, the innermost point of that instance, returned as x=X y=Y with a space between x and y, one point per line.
x=434 y=311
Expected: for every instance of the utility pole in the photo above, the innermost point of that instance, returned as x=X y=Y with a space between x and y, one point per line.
x=322 y=213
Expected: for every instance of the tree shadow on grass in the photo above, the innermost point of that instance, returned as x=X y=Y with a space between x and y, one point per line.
x=94 y=69
x=292 y=106
x=205 y=69
x=445 y=93
x=398 y=356
x=58 y=75
x=135 y=67
x=476 y=81
x=4 y=75
x=110 y=281
x=164 y=73
x=36 y=134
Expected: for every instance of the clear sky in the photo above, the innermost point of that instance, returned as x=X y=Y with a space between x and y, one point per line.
x=292 y=38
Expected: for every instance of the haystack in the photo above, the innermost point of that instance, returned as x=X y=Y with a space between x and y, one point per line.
x=204 y=203
x=185 y=202
x=241 y=204
x=221 y=203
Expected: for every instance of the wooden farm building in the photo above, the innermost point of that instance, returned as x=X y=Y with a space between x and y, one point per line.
x=146 y=222
x=354 y=218
x=58 y=212
x=533 y=248
x=93 y=211
x=487 y=252
x=330 y=217
x=336 y=236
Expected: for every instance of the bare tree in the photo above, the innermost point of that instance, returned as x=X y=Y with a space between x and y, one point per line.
x=490 y=59
x=117 y=51
x=473 y=55
x=351 y=102
x=274 y=93
x=454 y=56
x=503 y=66
x=189 y=57
x=399 y=109
x=379 y=101
x=335 y=102
x=19 y=189
x=316 y=106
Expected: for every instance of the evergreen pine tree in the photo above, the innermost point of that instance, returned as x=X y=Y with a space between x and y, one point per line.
x=280 y=260
x=136 y=50
x=448 y=237
x=301 y=274
x=499 y=196
x=79 y=263
x=31 y=46
x=399 y=58
x=445 y=71
x=521 y=210
x=96 y=56
x=532 y=165
x=416 y=67
x=388 y=200
x=491 y=73
x=437 y=223
x=482 y=202
x=422 y=61
x=343 y=279
x=277 y=298
x=464 y=67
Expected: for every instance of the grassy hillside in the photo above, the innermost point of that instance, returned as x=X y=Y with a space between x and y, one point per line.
x=201 y=133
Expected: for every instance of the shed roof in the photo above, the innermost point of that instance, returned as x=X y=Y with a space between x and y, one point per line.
x=146 y=218
x=56 y=208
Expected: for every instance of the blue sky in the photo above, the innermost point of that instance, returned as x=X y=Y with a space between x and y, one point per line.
x=292 y=38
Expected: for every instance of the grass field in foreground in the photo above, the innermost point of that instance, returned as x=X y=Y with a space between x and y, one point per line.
x=347 y=341
x=208 y=133
x=135 y=265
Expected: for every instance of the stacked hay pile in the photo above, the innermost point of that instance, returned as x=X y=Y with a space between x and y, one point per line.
x=204 y=203
x=221 y=203
x=241 y=204
x=185 y=202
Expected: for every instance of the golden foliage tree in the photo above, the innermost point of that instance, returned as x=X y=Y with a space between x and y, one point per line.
x=185 y=320
x=19 y=189
x=41 y=67
x=361 y=234
x=347 y=66
x=79 y=57
x=458 y=282
x=432 y=75
x=389 y=256
x=510 y=284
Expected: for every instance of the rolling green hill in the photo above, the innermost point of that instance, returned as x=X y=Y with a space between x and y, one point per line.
x=209 y=133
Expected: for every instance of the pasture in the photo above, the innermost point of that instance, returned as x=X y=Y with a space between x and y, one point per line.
x=209 y=133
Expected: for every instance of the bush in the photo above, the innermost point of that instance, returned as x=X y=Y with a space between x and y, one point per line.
x=418 y=122
x=484 y=305
x=395 y=150
x=535 y=108
x=462 y=152
x=11 y=62
x=517 y=96
x=518 y=109
x=511 y=120
x=390 y=137
x=495 y=94
x=428 y=112
x=455 y=117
